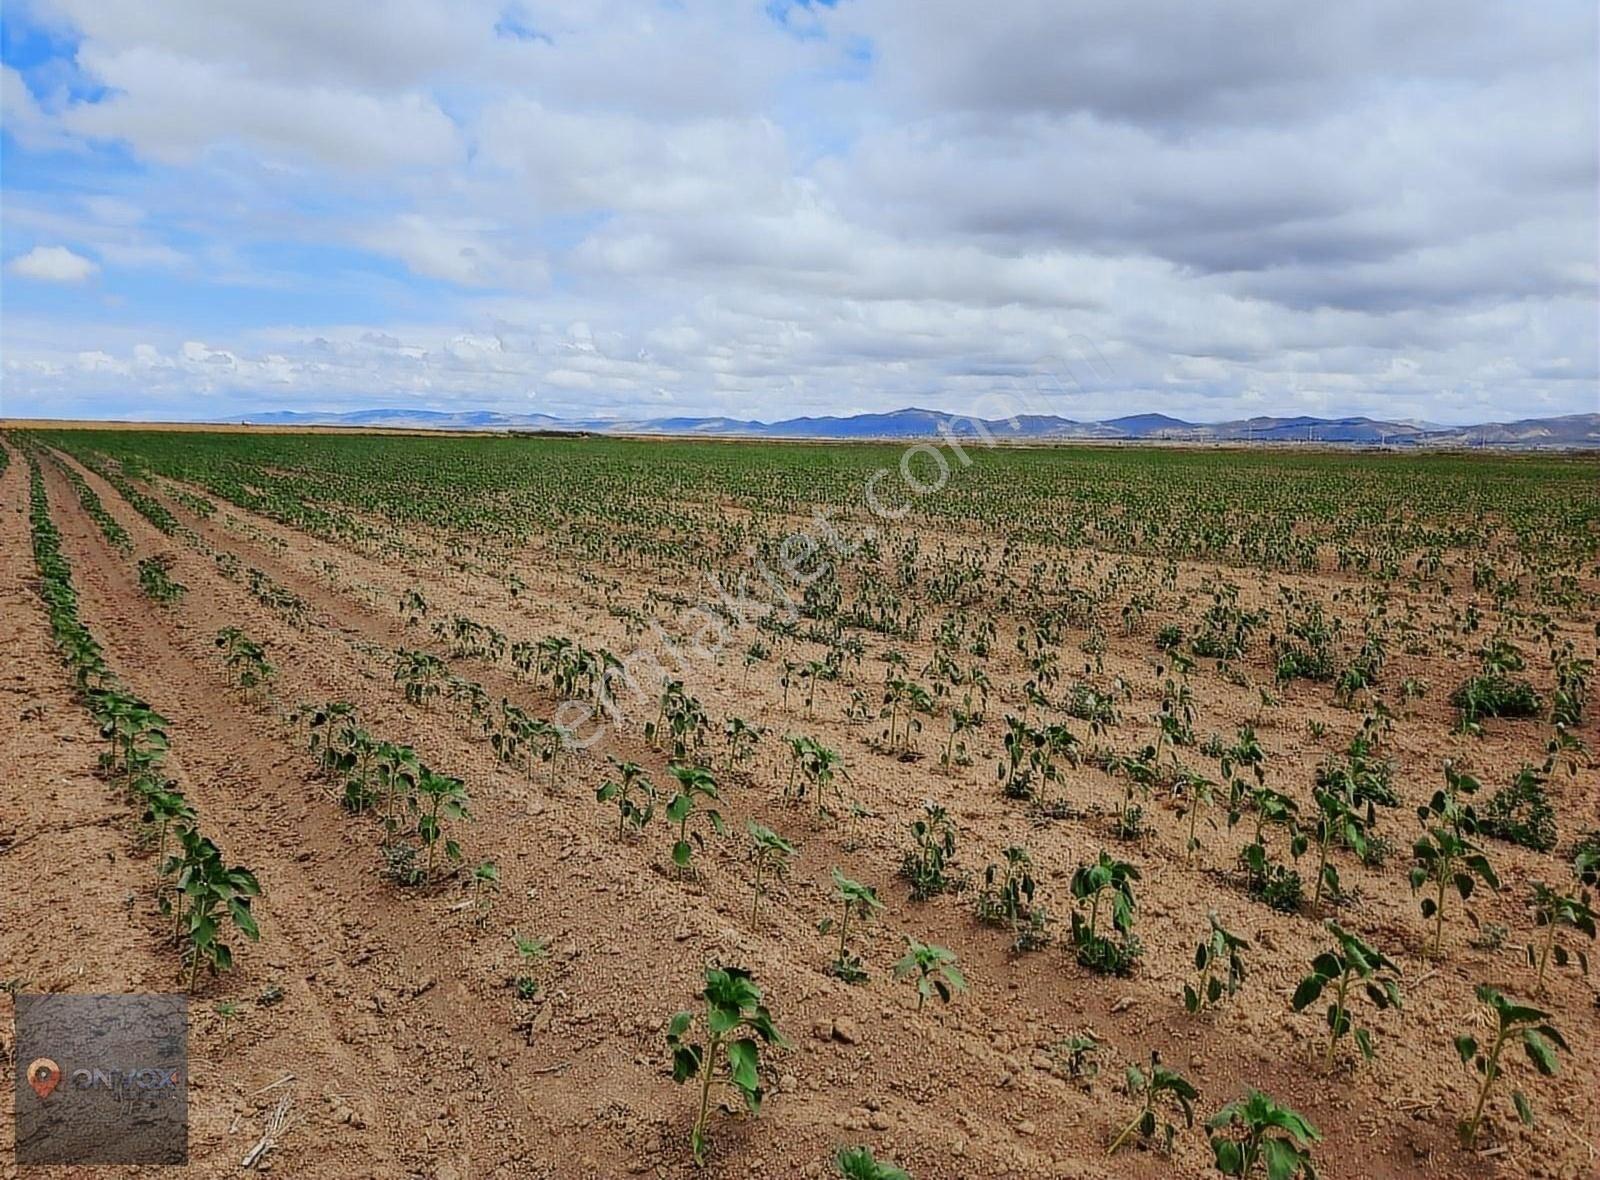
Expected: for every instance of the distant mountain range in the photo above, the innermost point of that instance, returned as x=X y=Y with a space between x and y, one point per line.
x=1572 y=431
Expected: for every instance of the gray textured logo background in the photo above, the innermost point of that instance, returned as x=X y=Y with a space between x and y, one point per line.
x=116 y=1101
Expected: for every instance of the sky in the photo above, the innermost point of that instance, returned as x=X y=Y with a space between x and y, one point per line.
x=635 y=210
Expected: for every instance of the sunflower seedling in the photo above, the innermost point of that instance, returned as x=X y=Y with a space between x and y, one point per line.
x=632 y=812
x=1445 y=854
x=769 y=851
x=1260 y=1132
x=1091 y=885
x=529 y=951
x=485 y=884
x=1351 y=959
x=441 y=799
x=1511 y=1022
x=1220 y=961
x=1157 y=1090
x=1006 y=899
x=934 y=970
x=736 y=1024
x=694 y=783
x=854 y=898
x=156 y=581
x=933 y=836
x=858 y=1163
x=1556 y=911
x=1075 y=1057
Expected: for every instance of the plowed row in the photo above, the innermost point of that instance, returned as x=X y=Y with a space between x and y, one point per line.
x=408 y=1052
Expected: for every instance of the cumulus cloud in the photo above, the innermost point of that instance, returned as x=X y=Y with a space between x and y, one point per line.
x=52 y=264
x=771 y=209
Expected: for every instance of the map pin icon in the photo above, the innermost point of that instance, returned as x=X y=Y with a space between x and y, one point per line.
x=43 y=1075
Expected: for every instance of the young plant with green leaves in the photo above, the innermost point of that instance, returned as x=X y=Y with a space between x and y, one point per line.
x=1158 y=1091
x=1446 y=856
x=858 y=1163
x=204 y=890
x=1521 y=813
x=1007 y=899
x=1220 y=961
x=1340 y=820
x=246 y=660
x=926 y=865
x=933 y=969
x=1258 y=1133
x=633 y=793
x=441 y=800
x=420 y=673
x=821 y=769
x=155 y=579
x=681 y=721
x=1105 y=882
x=855 y=899
x=742 y=738
x=1556 y=911
x=694 y=784
x=1351 y=960
x=736 y=1024
x=1511 y=1022
x=485 y=884
x=770 y=852
x=1199 y=792
x=529 y=952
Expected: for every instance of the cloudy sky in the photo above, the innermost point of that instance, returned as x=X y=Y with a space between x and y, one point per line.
x=766 y=209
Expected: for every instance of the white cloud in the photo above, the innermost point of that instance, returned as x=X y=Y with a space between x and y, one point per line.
x=173 y=108
x=1360 y=209
x=53 y=264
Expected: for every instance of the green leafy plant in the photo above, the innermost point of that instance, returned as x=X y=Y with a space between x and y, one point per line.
x=1199 y=792
x=820 y=769
x=1007 y=899
x=934 y=970
x=1105 y=881
x=203 y=891
x=858 y=1163
x=246 y=659
x=770 y=852
x=1156 y=1089
x=1076 y=1057
x=1521 y=813
x=420 y=673
x=413 y=606
x=529 y=951
x=1220 y=961
x=736 y=1025
x=1338 y=820
x=681 y=721
x=1257 y=1132
x=742 y=738
x=156 y=581
x=1445 y=854
x=1511 y=1022
x=485 y=884
x=926 y=865
x=1351 y=960
x=442 y=799
x=633 y=793
x=1556 y=911
x=860 y=900
x=694 y=783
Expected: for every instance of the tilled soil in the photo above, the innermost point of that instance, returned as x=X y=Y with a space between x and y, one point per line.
x=409 y=1055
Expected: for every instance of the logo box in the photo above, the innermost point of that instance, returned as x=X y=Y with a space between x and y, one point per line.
x=102 y=1079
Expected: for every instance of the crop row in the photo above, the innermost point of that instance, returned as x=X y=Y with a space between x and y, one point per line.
x=195 y=886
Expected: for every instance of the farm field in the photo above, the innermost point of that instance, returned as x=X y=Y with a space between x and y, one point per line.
x=475 y=755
